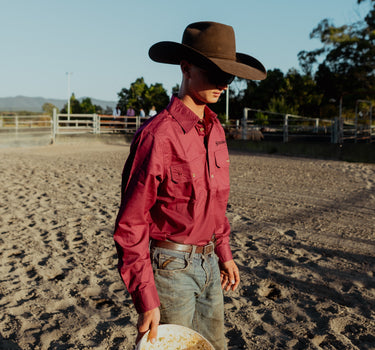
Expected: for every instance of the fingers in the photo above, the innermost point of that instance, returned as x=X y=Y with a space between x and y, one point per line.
x=148 y=321
x=153 y=333
x=235 y=281
x=223 y=280
x=226 y=282
x=142 y=328
x=229 y=276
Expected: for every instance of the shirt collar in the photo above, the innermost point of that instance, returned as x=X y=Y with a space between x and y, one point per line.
x=185 y=116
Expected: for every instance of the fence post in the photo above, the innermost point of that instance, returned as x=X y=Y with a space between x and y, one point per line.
x=98 y=124
x=285 y=128
x=16 y=125
x=371 y=122
x=94 y=124
x=54 y=125
x=335 y=130
x=244 y=124
x=137 y=122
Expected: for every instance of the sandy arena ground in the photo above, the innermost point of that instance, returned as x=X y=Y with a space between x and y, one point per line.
x=303 y=237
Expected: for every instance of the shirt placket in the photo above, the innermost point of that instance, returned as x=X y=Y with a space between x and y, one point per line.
x=203 y=132
x=210 y=157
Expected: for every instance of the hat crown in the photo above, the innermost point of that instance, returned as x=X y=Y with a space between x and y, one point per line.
x=213 y=39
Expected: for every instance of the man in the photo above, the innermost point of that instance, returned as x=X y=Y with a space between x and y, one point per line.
x=172 y=235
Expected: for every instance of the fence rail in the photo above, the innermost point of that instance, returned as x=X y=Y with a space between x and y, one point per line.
x=288 y=127
x=255 y=125
x=95 y=123
x=30 y=122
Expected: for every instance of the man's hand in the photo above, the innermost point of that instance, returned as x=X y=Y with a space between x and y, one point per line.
x=149 y=320
x=229 y=275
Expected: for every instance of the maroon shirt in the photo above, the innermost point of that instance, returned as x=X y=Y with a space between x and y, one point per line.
x=176 y=187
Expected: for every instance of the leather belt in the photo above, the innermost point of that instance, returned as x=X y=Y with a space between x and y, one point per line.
x=187 y=248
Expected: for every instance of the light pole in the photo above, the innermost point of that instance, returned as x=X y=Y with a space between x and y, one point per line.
x=227 y=106
x=68 y=74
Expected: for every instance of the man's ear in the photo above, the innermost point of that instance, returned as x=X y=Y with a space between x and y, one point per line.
x=185 y=68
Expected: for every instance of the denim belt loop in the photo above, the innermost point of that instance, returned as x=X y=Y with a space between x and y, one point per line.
x=191 y=254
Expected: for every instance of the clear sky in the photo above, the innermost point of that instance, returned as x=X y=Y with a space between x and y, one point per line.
x=104 y=43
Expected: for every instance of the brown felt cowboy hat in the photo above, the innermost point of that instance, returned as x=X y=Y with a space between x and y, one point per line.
x=209 y=45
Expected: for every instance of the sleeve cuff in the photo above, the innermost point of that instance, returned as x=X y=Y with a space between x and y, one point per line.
x=224 y=252
x=146 y=299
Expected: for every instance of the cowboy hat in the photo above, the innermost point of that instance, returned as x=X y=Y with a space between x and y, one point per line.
x=209 y=45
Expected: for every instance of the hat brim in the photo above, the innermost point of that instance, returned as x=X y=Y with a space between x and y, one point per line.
x=245 y=66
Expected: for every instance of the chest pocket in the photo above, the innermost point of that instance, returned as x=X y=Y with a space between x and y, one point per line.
x=188 y=172
x=181 y=173
x=222 y=158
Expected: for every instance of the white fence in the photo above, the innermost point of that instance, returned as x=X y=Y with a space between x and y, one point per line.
x=25 y=123
x=94 y=123
x=25 y=130
x=255 y=125
x=288 y=127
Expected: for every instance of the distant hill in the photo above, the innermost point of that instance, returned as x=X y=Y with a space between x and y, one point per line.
x=34 y=104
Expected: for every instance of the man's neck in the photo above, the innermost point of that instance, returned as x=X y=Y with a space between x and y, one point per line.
x=197 y=108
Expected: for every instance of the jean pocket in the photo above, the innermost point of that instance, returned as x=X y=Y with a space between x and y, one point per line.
x=169 y=263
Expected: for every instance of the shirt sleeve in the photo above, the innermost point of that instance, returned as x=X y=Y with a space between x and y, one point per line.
x=222 y=229
x=222 y=248
x=142 y=175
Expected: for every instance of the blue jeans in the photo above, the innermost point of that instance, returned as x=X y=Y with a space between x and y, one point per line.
x=190 y=292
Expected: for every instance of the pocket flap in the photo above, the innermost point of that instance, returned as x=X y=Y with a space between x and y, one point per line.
x=222 y=158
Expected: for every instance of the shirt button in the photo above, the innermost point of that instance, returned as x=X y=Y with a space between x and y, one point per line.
x=212 y=175
x=193 y=174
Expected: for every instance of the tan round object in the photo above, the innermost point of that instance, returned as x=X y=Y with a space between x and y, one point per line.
x=175 y=337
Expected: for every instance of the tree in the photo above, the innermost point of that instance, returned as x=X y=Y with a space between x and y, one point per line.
x=176 y=89
x=133 y=97
x=84 y=107
x=156 y=96
x=75 y=106
x=48 y=108
x=87 y=107
x=348 y=55
x=139 y=95
x=258 y=94
x=301 y=94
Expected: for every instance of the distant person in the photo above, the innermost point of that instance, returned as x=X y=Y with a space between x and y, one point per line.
x=152 y=111
x=116 y=112
x=130 y=121
x=130 y=112
x=142 y=113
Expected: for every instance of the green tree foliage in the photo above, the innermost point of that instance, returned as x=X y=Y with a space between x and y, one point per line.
x=48 y=108
x=139 y=95
x=156 y=96
x=84 y=107
x=176 y=89
x=258 y=94
x=300 y=94
x=348 y=59
x=280 y=105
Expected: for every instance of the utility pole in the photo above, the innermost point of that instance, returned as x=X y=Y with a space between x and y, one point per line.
x=227 y=106
x=68 y=74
